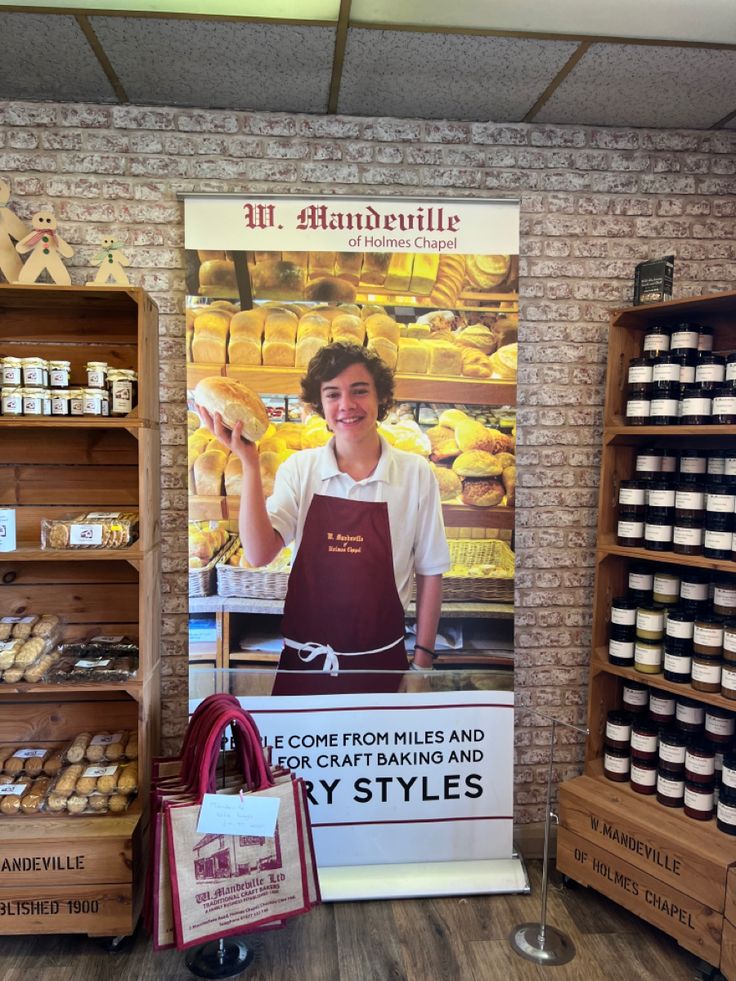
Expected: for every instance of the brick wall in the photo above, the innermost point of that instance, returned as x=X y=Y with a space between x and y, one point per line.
x=593 y=203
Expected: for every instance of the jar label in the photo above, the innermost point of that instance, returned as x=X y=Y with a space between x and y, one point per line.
x=32 y=405
x=95 y=377
x=718 y=540
x=33 y=375
x=640 y=374
x=690 y=714
x=696 y=406
x=708 y=636
x=716 y=465
x=685 y=338
x=650 y=619
x=724 y=596
x=696 y=591
x=720 y=503
x=77 y=406
x=656 y=342
x=616 y=764
x=12 y=405
x=705 y=342
x=648 y=655
x=641 y=580
x=719 y=725
x=669 y=464
x=658 y=533
x=59 y=406
x=671 y=754
x=644 y=776
x=692 y=464
x=122 y=397
x=729 y=643
x=630 y=529
x=710 y=372
x=653 y=464
x=623 y=649
x=687 y=374
x=726 y=813
x=621 y=733
x=626 y=618
x=670 y=788
x=663 y=407
x=703 y=766
x=677 y=665
x=724 y=405
x=696 y=800
x=731 y=371
x=666 y=372
x=666 y=585
x=637 y=408
x=687 y=536
x=661 y=498
x=683 y=629
x=661 y=704
x=689 y=500
x=11 y=375
x=631 y=495
x=707 y=674
x=59 y=377
x=642 y=742
x=728 y=777
x=638 y=699
x=729 y=466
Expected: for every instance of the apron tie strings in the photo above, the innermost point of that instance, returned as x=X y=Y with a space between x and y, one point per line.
x=331 y=664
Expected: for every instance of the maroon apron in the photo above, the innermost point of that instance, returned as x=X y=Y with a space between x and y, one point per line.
x=342 y=599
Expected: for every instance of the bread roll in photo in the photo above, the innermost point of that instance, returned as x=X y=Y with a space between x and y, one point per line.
x=235 y=402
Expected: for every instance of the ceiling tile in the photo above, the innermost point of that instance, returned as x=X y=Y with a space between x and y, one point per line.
x=445 y=76
x=216 y=64
x=634 y=85
x=49 y=58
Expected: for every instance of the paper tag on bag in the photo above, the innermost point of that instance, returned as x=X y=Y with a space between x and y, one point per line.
x=7 y=529
x=231 y=814
x=27 y=754
x=13 y=788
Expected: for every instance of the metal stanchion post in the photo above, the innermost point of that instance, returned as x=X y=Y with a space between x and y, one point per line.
x=226 y=957
x=539 y=942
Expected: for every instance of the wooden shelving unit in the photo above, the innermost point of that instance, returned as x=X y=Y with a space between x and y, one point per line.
x=675 y=872
x=82 y=874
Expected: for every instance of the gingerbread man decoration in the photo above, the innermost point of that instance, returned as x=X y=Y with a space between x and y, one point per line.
x=47 y=249
x=111 y=261
x=12 y=230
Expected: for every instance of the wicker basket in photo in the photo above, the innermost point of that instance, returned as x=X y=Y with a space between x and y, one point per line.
x=234 y=581
x=497 y=587
x=202 y=581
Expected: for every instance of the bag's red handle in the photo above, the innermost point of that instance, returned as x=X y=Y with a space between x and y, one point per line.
x=241 y=723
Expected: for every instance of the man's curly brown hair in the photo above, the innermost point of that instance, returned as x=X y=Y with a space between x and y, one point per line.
x=331 y=360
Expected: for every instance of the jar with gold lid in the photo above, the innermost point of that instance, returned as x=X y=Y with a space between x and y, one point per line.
x=35 y=372
x=12 y=372
x=11 y=400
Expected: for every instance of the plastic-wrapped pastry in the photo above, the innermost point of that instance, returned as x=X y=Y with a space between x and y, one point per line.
x=94 y=529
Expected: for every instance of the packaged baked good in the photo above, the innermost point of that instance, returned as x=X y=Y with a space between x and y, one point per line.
x=8 y=651
x=11 y=795
x=33 y=799
x=94 y=529
x=66 y=781
x=23 y=626
x=78 y=748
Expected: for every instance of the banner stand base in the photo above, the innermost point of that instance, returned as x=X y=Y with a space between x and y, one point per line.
x=419 y=880
x=224 y=958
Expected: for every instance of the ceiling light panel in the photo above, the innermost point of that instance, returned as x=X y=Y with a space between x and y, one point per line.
x=326 y=10
x=441 y=76
x=623 y=85
x=218 y=64
x=48 y=58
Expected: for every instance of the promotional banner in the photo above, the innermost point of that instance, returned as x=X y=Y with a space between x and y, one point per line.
x=429 y=289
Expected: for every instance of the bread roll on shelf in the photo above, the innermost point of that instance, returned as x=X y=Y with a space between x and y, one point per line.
x=280 y=325
x=306 y=348
x=279 y=353
x=347 y=327
x=483 y=493
x=313 y=325
x=209 y=469
x=330 y=289
x=477 y=463
x=385 y=349
x=244 y=350
x=248 y=323
x=444 y=359
x=413 y=357
x=233 y=476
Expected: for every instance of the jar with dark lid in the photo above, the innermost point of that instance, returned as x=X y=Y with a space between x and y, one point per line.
x=705 y=338
x=694 y=587
x=696 y=406
x=728 y=680
x=665 y=368
x=649 y=623
x=700 y=763
x=638 y=410
x=726 y=811
x=618 y=729
x=641 y=583
x=720 y=724
x=632 y=498
x=669 y=462
x=616 y=764
x=658 y=534
x=621 y=651
x=648 y=656
x=623 y=612
x=656 y=341
x=684 y=338
x=670 y=789
x=720 y=749
x=717 y=543
x=720 y=499
x=699 y=801
x=680 y=624
x=649 y=463
x=692 y=465
x=687 y=536
x=728 y=773
x=643 y=777
x=689 y=715
x=661 y=706
x=708 y=636
x=716 y=467
x=710 y=371
x=689 y=500
x=731 y=367
x=664 y=407
x=729 y=467
x=729 y=641
x=644 y=740
x=635 y=697
x=671 y=750
x=687 y=369
x=705 y=673
x=723 y=410
x=665 y=587
x=724 y=596
x=630 y=534
x=660 y=498
x=677 y=666
x=640 y=371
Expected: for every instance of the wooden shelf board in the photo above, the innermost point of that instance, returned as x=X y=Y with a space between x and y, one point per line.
x=53 y=827
x=600 y=662
x=37 y=554
x=132 y=687
x=75 y=422
x=607 y=546
x=618 y=430
x=695 y=307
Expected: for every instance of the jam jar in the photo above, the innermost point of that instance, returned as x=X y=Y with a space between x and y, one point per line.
x=708 y=636
x=638 y=409
x=648 y=656
x=726 y=811
x=643 y=777
x=729 y=642
x=670 y=789
x=644 y=740
x=35 y=372
x=658 y=534
x=12 y=376
x=720 y=499
x=649 y=463
x=641 y=583
x=59 y=402
x=717 y=541
x=699 y=801
x=724 y=596
x=671 y=750
x=705 y=338
x=731 y=367
x=688 y=535
x=656 y=341
x=665 y=405
x=616 y=764
x=630 y=533
x=684 y=338
x=689 y=715
x=728 y=680
x=669 y=462
x=677 y=665
x=640 y=371
x=96 y=374
x=666 y=588
x=700 y=763
x=123 y=388
x=710 y=371
x=720 y=724
x=694 y=588
x=660 y=498
x=665 y=368
x=649 y=623
x=661 y=706
x=728 y=773
x=705 y=673
x=635 y=697
x=693 y=465
x=11 y=402
x=618 y=729
x=59 y=374
x=696 y=406
x=723 y=411
x=716 y=467
x=631 y=498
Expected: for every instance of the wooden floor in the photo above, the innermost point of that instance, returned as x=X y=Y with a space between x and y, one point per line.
x=418 y=940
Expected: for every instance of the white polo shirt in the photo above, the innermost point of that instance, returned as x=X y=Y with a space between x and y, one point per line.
x=403 y=480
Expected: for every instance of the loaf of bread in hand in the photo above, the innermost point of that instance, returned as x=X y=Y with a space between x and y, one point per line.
x=235 y=402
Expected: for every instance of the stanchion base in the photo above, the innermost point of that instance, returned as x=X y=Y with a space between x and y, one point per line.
x=557 y=949
x=213 y=961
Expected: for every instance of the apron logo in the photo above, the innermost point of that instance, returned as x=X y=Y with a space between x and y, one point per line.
x=348 y=544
